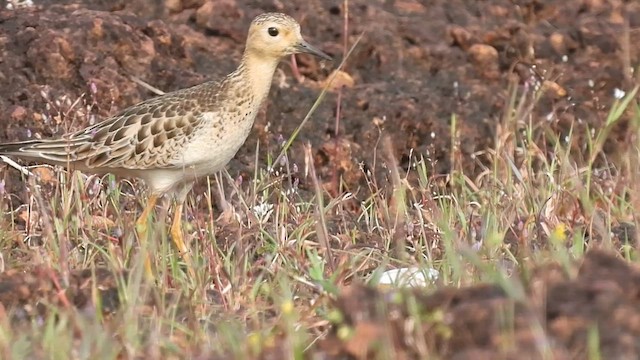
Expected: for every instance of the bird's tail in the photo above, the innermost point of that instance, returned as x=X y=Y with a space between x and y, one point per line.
x=58 y=151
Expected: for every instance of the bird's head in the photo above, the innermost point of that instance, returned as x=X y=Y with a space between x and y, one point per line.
x=275 y=35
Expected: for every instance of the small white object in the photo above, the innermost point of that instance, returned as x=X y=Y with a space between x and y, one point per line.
x=409 y=277
x=17 y=4
x=262 y=211
x=618 y=94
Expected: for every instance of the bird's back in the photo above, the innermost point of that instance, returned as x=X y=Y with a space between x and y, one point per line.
x=142 y=136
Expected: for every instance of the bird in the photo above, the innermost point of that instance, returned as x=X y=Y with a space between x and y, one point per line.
x=172 y=140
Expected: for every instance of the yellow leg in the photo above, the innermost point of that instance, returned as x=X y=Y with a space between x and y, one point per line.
x=178 y=239
x=142 y=228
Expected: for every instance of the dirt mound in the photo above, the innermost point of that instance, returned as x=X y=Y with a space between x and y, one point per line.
x=555 y=316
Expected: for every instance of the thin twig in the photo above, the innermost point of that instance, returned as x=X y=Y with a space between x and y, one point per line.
x=16 y=166
x=321 y=223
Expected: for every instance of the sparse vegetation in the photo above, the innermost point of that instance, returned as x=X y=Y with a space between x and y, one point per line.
x=287 y=266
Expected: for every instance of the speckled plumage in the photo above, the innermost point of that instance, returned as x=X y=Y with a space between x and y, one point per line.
x=171 y=140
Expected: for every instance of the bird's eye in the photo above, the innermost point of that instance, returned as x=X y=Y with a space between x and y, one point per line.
x=273 y=31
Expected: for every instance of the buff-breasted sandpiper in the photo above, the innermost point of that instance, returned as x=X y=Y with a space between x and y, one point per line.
x=172 y=140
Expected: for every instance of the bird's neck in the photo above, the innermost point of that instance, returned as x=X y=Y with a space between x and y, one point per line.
x=257 y=73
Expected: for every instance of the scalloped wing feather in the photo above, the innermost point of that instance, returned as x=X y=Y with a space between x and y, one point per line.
x=144 y=136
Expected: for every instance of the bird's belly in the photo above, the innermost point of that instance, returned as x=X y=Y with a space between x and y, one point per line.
x=212 y=150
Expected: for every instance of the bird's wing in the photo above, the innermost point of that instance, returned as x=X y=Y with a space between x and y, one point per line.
x=146 y=135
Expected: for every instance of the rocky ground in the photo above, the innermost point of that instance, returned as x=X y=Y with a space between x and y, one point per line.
x=418 y=63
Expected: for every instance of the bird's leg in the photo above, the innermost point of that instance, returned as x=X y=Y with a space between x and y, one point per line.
x=178 y=238
x=176 y=228
x=142 y=228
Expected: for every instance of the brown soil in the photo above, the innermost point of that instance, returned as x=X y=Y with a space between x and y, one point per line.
x=548 y=314
x=418 y=63
x=552 y=320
